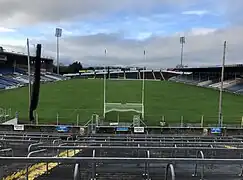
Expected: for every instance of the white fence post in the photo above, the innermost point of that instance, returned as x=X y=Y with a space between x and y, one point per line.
x=182 y=121
x=202 y=121
x=36 y=118
x=242 y=121
x=57 y=118
x=77 y=119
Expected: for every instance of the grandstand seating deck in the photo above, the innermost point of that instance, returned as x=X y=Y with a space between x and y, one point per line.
x=128 y=146
x=235 y=87
x=15 y=77
x=2 y=86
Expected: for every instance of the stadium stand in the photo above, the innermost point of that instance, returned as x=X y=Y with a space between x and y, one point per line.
x=59 y=156
x=132 y=75
x=128 y=74
x=13 y=70
x=95 y=151
x=210 y=77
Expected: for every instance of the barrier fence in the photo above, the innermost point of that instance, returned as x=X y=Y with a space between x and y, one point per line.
x=102 y=156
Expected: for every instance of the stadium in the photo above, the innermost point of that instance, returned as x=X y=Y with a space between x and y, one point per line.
x=132 y=123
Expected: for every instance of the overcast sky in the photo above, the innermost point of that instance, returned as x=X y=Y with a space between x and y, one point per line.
x=125 y=28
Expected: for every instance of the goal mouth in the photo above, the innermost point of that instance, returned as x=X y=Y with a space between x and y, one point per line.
x=124 y=107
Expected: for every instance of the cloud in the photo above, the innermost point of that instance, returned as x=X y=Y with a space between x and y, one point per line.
x=4 y=30
x=200 y=49
x=201 y=31
x=125 y=28
x=29 y=12
x=198 y=12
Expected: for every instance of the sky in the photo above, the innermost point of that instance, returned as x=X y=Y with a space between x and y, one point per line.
x=126 y=28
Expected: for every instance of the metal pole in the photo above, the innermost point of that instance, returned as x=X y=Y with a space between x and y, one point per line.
x=29 y=71
x=104 y=86
x=220 y=120
x=58 y=55
x=143 y=85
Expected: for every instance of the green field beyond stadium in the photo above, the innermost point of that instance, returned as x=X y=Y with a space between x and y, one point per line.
x=162 y=98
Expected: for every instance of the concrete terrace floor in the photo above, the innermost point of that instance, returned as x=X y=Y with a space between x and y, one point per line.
x=131 y=170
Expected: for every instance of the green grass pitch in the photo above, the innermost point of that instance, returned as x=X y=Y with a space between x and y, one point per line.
x=162 y=98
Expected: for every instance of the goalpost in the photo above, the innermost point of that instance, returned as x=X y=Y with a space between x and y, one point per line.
x=124 y=107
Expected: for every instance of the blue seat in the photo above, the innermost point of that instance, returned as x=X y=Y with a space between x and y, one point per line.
x=6 y=71
x=236 y=87
x=20 y=71
x=6 y=83
x=9 y=80
x=2 y=86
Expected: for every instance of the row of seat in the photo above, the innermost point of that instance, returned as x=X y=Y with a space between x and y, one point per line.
x=235 y=85
x=9 y=79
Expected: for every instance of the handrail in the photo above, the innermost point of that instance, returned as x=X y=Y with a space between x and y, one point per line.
x=8 y=150
x=34 y=144
x=172 y=171
x=155 y=142
x=202 y=168
x=147 y=166
x=76 y=174
x=69 y=137
x=31 y=153
x=55 y=140
x=35 y=152
x=93 y=166
x=53 y=144
x=5 y=160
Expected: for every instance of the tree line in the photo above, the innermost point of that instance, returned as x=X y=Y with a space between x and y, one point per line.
x=76 y=66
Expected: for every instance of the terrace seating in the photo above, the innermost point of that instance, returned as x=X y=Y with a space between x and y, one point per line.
x=46 y=79
x=226 y=84
x=22 y=80
x=2 y=86
x=235 y=88
x=10 y=80
x=55 y=76
x=21 y=71
x=205 y=83
x=188 y=79
x=6 y=71
x=6 y=82
x=215 y=85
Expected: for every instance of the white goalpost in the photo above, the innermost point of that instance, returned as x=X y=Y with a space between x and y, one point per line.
x=127 y=106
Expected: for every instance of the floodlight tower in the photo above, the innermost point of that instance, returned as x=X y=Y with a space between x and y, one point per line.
x=182 y=42
x=58 y=35
x=220 y=118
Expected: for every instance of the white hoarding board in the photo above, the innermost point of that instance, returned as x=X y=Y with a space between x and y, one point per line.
x=139 y=129
x=19 y=127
